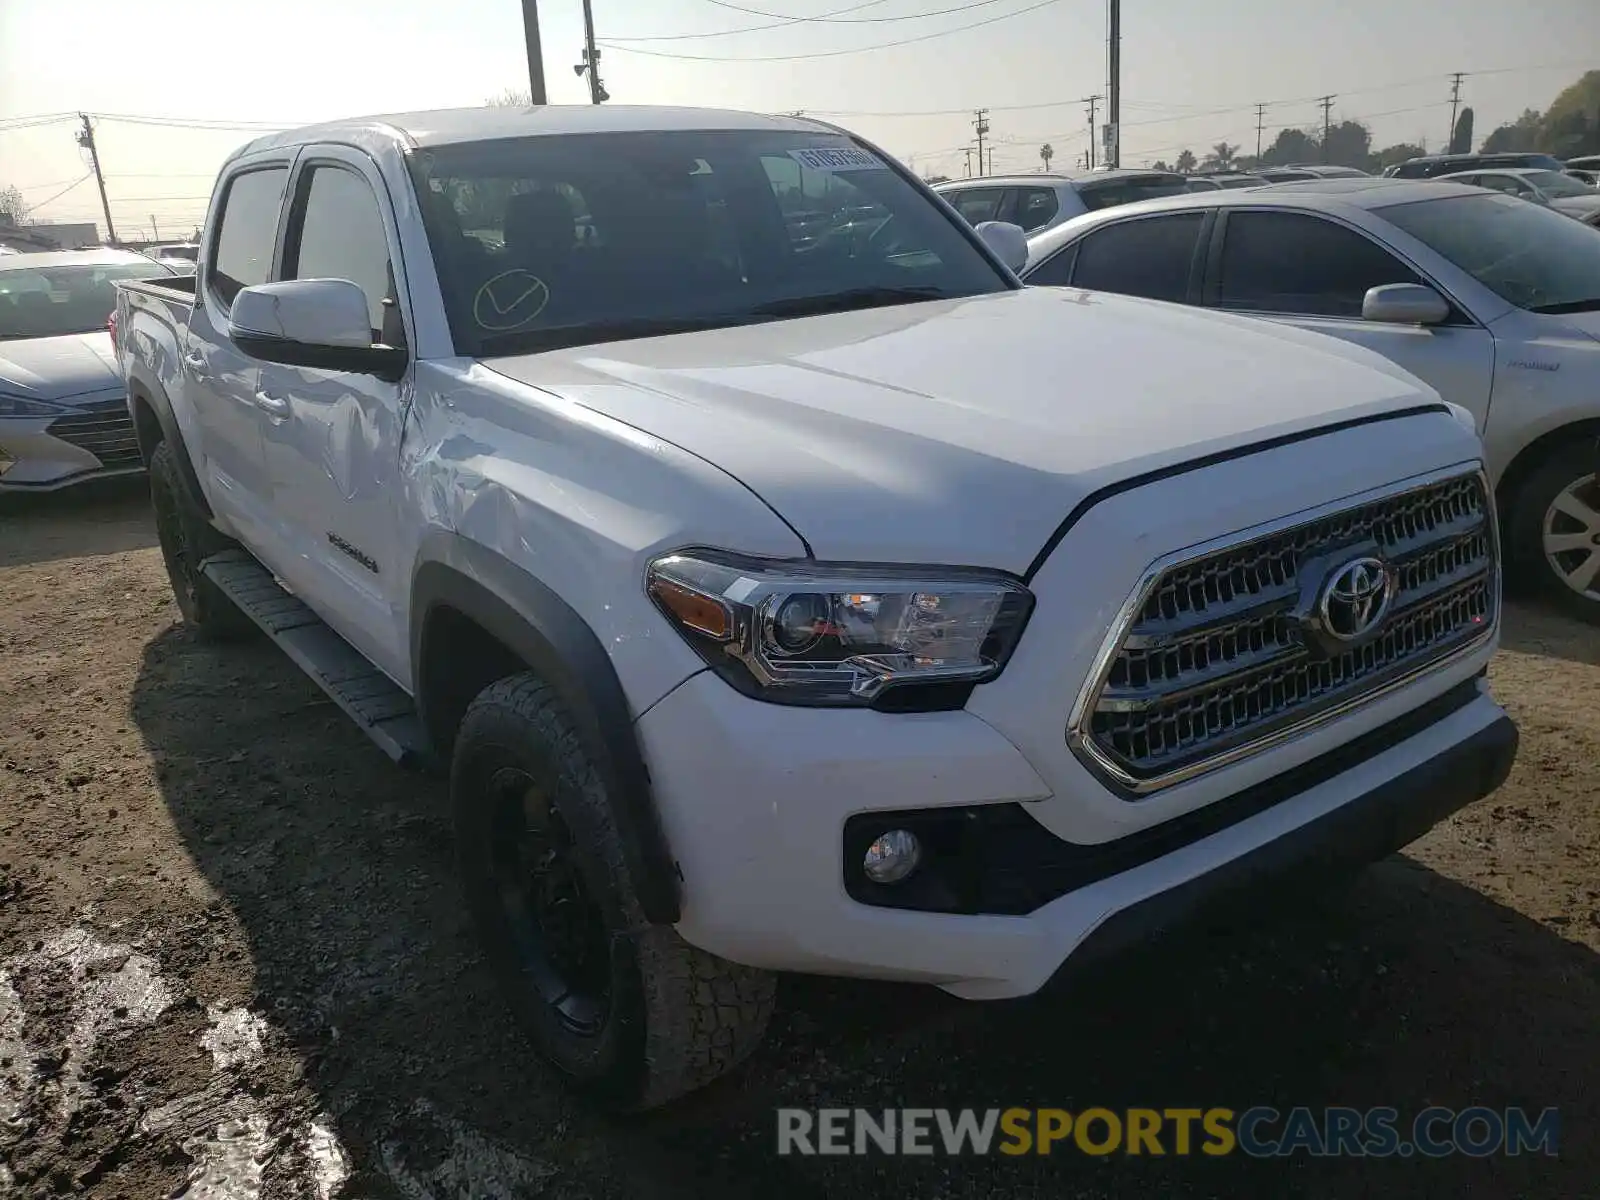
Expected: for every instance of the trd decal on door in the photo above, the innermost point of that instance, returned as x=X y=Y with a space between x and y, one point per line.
x=345 y=547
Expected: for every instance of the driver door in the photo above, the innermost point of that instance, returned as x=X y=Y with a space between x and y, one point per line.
x=333 y=437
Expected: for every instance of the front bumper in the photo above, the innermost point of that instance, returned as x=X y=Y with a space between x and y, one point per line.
x=756 y=800
x=42 y=454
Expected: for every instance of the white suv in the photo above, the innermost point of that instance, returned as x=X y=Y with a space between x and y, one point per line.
x=1038 y=202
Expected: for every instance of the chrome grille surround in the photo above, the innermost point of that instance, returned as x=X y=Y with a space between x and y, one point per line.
x=1213 y=658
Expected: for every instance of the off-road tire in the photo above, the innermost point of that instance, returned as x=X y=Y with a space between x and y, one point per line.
x=1525 y=528
x=187 y=539
x=675 y=1017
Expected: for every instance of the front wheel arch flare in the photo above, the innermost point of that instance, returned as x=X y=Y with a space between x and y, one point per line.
x=550 y=639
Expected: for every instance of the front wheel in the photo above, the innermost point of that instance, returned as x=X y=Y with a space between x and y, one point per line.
x=1555 y=530
x=628 y=1011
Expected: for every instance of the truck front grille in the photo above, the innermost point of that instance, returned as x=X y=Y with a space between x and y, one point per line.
x=105 y=430
x=1223 y=654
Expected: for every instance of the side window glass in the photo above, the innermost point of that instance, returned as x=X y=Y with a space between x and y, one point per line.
x=338 y=234
x=242 y=254
x=980 y=204
x=1036 y=207
x=1055 y=271
x=1150 y=257
x=1292 y=263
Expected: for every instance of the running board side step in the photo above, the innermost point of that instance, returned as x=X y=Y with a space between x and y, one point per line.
x=369 y=697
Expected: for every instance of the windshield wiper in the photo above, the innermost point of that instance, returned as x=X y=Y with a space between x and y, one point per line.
x=559 y=337
x=1592 y=304
x=850 y=298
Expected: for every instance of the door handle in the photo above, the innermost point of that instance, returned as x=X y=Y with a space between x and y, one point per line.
x=275 y=407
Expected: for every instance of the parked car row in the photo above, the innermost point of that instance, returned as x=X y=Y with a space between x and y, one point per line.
x=1493 y=301
x=782 y=600
x=1553 y=189
x=63 y=405
x=1038 y=202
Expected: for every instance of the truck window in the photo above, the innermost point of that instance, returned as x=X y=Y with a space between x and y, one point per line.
x=242 y=254
x=336 y=232
x=543 y=242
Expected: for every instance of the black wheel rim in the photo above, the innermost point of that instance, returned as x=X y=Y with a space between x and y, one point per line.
x=559 y=932
x=175 y=546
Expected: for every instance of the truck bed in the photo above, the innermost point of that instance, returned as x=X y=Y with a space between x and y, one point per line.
x=180 y=288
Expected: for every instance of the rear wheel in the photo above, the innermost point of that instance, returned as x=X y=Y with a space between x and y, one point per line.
x=1555 y=530
x=187 y=539
x=628 y=1011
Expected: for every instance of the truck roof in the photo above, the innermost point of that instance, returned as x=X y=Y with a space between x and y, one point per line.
x=444 y=126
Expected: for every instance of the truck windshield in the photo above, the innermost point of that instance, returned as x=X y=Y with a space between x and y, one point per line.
x=545 y=242
x=42 y=302
x=1532 y=257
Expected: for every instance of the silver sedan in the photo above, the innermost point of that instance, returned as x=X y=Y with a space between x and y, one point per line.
x=1493 y=301
x=63 y=408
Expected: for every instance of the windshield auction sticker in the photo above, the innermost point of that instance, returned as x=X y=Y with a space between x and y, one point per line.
x=838 y=158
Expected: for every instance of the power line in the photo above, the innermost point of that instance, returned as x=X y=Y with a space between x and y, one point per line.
x=926 y=37
x=835 y=17
x=62 y=192
x=1192 y=111
x=197 y=123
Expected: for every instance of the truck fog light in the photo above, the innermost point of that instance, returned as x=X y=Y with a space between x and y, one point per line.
x=892 y=856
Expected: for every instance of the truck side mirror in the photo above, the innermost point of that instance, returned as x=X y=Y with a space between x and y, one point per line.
x=320 y=323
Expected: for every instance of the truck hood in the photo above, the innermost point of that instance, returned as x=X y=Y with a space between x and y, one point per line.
x=964 y=431
x=57 y=368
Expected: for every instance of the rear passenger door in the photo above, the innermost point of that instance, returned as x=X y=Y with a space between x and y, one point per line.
x=219 y=380
x=1310 y=271
x=1156 y=257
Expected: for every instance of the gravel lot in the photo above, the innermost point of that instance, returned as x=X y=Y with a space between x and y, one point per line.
x=231 y=955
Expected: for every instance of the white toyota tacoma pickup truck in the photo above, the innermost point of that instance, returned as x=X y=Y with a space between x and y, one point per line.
x=795 y=598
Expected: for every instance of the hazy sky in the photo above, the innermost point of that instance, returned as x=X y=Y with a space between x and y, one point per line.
x=295 y=61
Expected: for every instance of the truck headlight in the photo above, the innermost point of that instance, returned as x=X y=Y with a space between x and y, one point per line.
x=17 y=406
x=815 y=634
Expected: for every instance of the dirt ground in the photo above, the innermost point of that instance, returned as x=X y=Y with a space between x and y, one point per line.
x=232 y=960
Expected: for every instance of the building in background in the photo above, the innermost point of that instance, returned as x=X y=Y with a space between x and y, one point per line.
x=47 y=235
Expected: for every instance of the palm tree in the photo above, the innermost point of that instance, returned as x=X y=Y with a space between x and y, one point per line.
x=1221 y=156
x=1185 y=163
x=1046 y=153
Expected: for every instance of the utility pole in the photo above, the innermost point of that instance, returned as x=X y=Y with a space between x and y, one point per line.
x=86 y=140
x=591 y=58
x=1261 y=115
x=1455 y=100
x=530 y=30
x=967 y=150
x=1114 y=86
x=980 y=122
x=1091 y=101
x=154 y=228
x=1327 y=123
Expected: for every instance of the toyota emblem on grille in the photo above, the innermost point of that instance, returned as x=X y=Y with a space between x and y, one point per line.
x=1355 y=598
